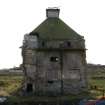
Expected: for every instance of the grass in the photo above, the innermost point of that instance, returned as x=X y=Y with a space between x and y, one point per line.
x=35 y=100
x=97 y=80
x=9 y=84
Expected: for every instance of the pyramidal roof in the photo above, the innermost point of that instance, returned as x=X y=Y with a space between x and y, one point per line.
x=55 y=28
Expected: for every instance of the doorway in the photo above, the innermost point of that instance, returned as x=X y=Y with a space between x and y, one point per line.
x=29 y=87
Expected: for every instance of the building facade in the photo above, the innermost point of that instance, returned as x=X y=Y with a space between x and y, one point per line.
x=54 y=58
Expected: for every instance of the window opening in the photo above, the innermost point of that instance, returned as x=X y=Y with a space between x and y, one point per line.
x=54 y=59
x=43 y=44
x=50 y=81
x=68 y=44
x=35 y=33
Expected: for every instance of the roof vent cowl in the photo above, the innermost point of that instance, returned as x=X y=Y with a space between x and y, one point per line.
x=52 y=12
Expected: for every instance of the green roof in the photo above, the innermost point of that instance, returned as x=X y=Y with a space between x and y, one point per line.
x=55 y=28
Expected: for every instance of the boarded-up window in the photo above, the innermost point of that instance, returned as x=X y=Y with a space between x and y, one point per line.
x=52 y=74
x=72 y=74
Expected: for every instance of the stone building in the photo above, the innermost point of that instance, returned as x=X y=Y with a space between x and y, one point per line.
x=54 y=58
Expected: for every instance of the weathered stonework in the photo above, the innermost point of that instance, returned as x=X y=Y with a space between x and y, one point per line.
x=54 y=66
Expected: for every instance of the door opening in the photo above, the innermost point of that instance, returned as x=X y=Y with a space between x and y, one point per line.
x=29 y=87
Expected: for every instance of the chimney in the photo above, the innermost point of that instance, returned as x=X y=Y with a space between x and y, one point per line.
x=52 y=12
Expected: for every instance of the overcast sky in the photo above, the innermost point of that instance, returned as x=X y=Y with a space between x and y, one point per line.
x=18 y=17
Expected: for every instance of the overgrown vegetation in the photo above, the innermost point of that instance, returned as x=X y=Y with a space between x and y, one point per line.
x=9 y=84
x=96 y=83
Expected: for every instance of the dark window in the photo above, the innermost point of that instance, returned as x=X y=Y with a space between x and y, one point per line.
x=68 y=44
x=43 y=44
x=29 y=87
x=54 y=59
x=50 y=82
x=35 y=33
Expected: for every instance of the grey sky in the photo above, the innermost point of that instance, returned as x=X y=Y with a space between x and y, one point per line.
x=18 y=17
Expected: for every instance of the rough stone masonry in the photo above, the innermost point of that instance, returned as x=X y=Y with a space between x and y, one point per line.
x=54 y=58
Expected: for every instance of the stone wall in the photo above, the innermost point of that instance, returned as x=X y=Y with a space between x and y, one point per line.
x=54 y=66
